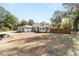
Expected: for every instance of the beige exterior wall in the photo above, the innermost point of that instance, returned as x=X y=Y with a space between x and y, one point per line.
x=42 y=29
x=25 y=29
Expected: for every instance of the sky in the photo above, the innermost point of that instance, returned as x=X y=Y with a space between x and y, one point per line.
x=39 y=12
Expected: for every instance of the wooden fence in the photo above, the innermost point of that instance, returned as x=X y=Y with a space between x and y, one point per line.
x=65 y=31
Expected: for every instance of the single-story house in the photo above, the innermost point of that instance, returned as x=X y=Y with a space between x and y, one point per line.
x=25 y=28
x=34 y=28
x=48 y=28
x=41 y=28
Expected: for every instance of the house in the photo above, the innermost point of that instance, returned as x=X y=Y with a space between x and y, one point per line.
x=25 y=28
x=41 y=28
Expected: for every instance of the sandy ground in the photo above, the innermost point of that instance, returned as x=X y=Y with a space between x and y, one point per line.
x=14 y=38
x=42 y=44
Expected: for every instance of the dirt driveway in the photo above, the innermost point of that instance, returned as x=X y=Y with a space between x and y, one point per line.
x=38 y=44
x=16 y=39
x=17 y=36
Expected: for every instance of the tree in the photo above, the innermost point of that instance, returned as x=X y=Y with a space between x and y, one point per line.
x=10 y=21
x=30 y=22
x=56 y=18
x=73 y=12
x=72 y=9
x=23 y=22
x=7 y=19
x=43 y=23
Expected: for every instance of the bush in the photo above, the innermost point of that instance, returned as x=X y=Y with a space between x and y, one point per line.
x=66 y=31
x=5 y=29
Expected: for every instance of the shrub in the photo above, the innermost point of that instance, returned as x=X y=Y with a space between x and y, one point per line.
x=5 y=29
x=66 y=31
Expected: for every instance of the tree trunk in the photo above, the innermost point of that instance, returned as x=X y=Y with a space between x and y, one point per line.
x=75 y=24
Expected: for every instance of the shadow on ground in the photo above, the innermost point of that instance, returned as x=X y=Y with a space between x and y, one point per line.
x=56 y=45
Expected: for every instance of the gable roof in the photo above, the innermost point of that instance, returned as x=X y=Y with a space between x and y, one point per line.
x=25 y=26
x=41 y=25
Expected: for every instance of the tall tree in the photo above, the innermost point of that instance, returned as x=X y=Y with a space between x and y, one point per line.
x=30 y=22
x=43 y=23
x=7 y=19
x=56 y=18
x=73 y=12
x=23 y=22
